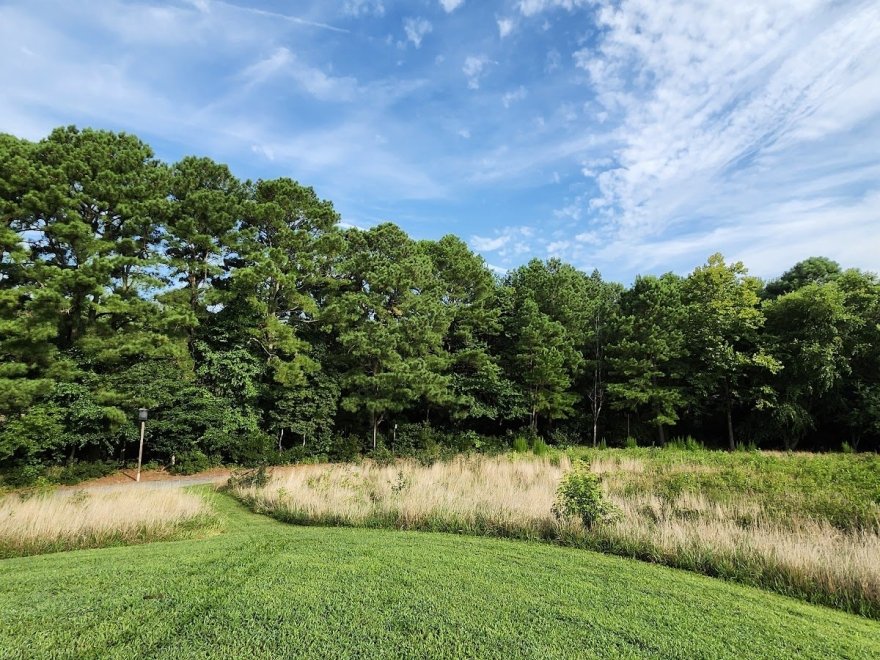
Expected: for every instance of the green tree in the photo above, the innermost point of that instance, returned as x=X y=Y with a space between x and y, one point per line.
x=283 y=250
x=543 y=359
x=723 y=321
x=205 y=207
x=467 y=290
x=815 y=270
x=807 y=329
x=389 y=322
x=645 y=361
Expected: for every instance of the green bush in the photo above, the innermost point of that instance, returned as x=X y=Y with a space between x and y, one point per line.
x=344 y=448
x=382 y=455
x=564 y=439
x=580 y=496
x=685 y=444
x=630 y=442
x=252 y=478
x=539 y=447
x=190 y=462
x=520 y=444
x=77 y=472
x=23 y=475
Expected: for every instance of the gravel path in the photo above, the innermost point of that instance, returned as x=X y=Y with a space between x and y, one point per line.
x=179 y=482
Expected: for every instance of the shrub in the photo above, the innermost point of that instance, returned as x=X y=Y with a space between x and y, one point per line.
x=252 y=478
x=539 y=447
x=520 y=444
x=77 y=472
x=345 y=448
x=564 y=439
x=382 y=455
x=685 y=444
x=630 y=442
x=190 y=462
x=580 y=496
x=23 y=475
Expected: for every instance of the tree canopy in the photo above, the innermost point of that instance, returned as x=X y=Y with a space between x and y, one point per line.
x=256 y=328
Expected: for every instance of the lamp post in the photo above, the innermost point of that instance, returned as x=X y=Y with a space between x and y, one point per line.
x=142 y=418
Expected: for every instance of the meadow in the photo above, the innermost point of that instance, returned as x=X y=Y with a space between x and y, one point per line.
x=52 y=521
x=263 y=589
x=804 y=525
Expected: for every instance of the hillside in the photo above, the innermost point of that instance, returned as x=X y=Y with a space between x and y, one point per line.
x=265 y=589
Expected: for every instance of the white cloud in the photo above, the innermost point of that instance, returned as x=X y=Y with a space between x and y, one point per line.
x=512 y=97
x=720 y=109
x=464 y=133
x=557 y=248
x=473 y=68
x=532 y=7
x=484 y=244
x=507 y=242
x=451 y=5
x=505 y=27
x=311 y=80
x=363 y=8
x=416 y=29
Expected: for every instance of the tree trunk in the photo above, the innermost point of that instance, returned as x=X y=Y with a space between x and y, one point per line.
x=280 y=438
x=730 y=427
x=375 y=431
x=662 y=433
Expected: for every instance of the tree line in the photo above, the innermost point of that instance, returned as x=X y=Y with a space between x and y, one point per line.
x=253 y=326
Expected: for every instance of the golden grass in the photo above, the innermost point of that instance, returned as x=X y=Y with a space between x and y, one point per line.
x=504 y=496
x=66 y=519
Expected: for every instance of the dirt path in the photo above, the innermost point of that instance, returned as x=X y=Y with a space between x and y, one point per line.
x=153 y=479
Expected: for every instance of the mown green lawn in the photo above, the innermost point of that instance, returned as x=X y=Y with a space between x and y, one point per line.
x=265 y=589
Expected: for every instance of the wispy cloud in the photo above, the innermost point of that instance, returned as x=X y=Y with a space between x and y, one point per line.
x=532 y=7
x=505 y=27
x=363 y=8
x=716 y=103
x=637 y=135
x=513 y=96
x=473 y=68
x=450 y=6
x=416 y=29
x=506 y=242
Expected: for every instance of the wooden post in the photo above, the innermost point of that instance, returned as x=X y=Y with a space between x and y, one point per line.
x=141 y=451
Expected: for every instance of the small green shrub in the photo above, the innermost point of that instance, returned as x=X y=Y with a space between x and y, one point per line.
x=382 y=455
x=564 y=439
x=846 y=448
x=520 y=444
x=539 y=447
x=630 y=442
x=580 y=496
x=345 y=448
x=688 y=443
x=252 y=478
x=190 y=462
x=23 y=475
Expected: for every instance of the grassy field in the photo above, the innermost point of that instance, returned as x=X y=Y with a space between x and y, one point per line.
x=35 y=523
x=264 y=589
x=806 y=525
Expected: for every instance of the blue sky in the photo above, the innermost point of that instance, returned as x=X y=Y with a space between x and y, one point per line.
x=632 y=136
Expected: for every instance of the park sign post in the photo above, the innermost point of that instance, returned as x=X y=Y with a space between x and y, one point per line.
x=142 y=418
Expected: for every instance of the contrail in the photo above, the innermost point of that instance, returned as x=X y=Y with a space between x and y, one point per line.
x=284 y=17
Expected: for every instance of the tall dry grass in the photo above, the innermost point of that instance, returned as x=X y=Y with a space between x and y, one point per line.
x=66 y=520
x=735 y=538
